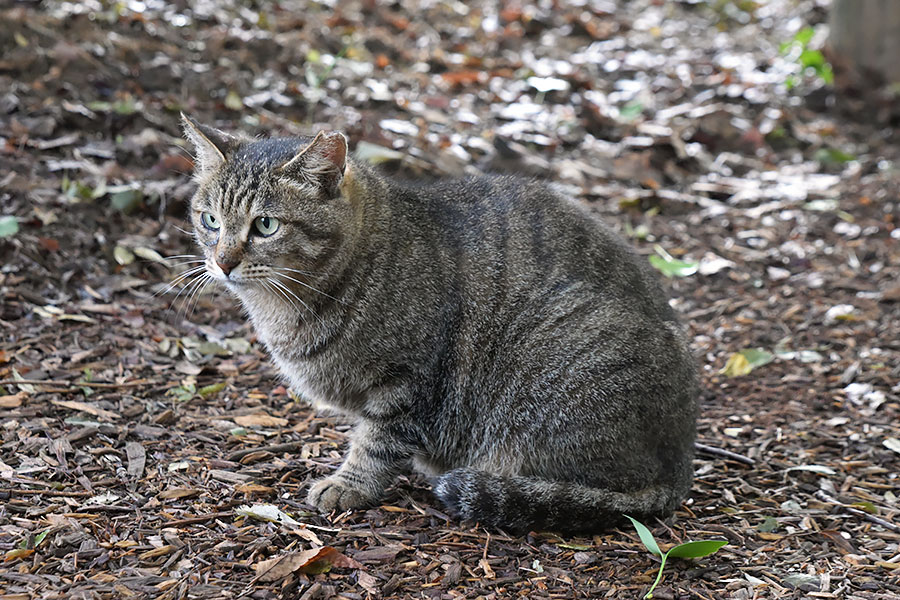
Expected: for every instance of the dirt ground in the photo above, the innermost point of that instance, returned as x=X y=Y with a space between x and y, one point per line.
x=137 y=418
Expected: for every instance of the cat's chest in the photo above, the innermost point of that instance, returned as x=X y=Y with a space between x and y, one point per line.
x=324 y=388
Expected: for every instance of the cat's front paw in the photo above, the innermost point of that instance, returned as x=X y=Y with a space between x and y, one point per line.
x=333 y=493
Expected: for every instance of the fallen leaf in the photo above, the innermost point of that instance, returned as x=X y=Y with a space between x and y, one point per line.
x=260 y=420
x=9 y=226
x=669 y=266
x=892 y=444
x=13 y=400
x=156 y=552
x=123 y=255
x=820 y=469
x=375 y=154
x=18 y=553
x=137 y=458
x=798 y=579
x=177 y=492
x=307 y=535
x=744 y=361
x=266 y=512
x=149 y=254
x=486 y=568
x=368 y=582
x=102 y=499
x=309 y=562
x=88 y=408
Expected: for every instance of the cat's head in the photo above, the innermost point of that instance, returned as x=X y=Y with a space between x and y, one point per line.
x=270 y=215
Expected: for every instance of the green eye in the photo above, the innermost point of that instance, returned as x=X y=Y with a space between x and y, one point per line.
x=210 y=221
x=266 y=226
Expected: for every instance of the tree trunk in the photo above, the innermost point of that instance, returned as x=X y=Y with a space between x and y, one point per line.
x=865 y=41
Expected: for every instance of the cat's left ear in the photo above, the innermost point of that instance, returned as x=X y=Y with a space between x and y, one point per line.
x=321 y=163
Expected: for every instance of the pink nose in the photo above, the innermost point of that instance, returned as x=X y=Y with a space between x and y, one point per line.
x=225 y=265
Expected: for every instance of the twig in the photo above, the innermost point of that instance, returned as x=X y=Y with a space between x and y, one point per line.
x=94 y=384
x=197 y=519
x=726 y=453
x=287 y=447
x=859 y=513
x=63 y=493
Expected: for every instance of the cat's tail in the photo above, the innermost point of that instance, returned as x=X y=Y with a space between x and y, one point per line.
x=520 y=504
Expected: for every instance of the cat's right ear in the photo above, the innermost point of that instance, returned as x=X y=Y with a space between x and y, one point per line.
x=322 y=162
x=211 y=145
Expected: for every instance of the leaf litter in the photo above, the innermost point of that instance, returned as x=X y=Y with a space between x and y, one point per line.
x=690 y=126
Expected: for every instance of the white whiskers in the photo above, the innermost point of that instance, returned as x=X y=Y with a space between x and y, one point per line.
x=277 y=270
x=286 y=290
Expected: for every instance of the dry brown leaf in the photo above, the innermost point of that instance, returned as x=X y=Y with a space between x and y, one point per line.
x=157 y=552
x=177 y=492
x=18 y=553
x=168 y=583
x=309 y=562
x=253 y=488
x=368 y=582
x=307 y=535
x=486 y=567
x=260 y=420
x=88 y=408
x=12 y=401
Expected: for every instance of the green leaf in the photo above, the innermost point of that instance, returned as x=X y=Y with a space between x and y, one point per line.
x=580 y=547
x=233 y=101
x=126 y=200
x=40 y=537
x=672 y=267
x=805 y=35
x=123 y=255
x=768 y=525
x=697 y=549
x=812 y=58
x=126 y=106
x=209 y=390
x=757 y=357
x=212 y=348
x=866 y=506
x=822 y=205
x=9 y=225
x=798 y=579
x=744 y=361
x=833 y=156
x=631 y=111
x=646 y=537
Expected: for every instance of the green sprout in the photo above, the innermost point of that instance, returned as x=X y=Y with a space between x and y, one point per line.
x=811 y=61
x=696 y=549
x=670 y=266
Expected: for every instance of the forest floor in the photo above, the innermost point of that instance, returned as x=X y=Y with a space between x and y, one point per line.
x=134 y=425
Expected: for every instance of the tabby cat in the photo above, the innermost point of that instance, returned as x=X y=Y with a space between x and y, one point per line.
x=489 y=331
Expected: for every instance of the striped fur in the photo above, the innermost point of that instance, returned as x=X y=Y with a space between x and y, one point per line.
x=488 y=331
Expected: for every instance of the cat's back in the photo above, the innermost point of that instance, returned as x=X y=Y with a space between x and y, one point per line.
x=525 y=239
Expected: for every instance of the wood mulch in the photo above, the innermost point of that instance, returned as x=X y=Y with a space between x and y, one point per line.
x=135 y=423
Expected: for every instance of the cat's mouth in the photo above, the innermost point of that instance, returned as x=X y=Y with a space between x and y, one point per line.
x=273 y=280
